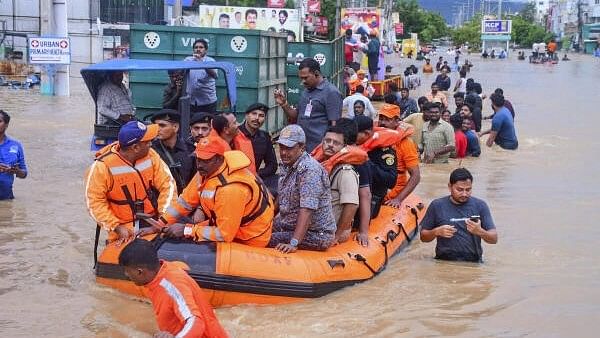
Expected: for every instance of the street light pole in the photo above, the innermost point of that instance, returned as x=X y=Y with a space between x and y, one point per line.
x=499 y=9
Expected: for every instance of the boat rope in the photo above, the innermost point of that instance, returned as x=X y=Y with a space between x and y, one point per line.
x=159 y=239
x=96 y=240
x=362 y=259
x=413 y=211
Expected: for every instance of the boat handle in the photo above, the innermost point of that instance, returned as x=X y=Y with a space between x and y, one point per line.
x=335 y=262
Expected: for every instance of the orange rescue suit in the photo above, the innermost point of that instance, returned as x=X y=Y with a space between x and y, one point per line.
x=237 y=203
x=113 y=186
x=180 y=306
x=406 y=157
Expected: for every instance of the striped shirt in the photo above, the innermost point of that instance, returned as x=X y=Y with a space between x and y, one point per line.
x=112 y=102
x=440 y=136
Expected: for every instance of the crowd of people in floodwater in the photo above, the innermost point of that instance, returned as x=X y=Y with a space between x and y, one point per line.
x=340 y=160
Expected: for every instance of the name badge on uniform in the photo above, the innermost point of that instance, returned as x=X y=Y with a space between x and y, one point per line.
x=308 y=109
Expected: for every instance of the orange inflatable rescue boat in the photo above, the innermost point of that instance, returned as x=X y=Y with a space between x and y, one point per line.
x=233 y=273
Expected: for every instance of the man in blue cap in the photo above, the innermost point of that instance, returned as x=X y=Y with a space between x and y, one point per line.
x=172 y=148
x=305 y=219
x=126 y=178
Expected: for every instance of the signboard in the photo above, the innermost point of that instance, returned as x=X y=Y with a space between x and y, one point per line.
x=271 y=19
x=314 y=6
x=43 y=50
x=322 y=25
x=399 y=28
x=361 y=20
x=496 y=26
x=276 y=3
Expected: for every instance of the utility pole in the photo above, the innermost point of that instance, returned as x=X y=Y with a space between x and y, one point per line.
x=499 y=9
x=60 y=29
x=338 y=6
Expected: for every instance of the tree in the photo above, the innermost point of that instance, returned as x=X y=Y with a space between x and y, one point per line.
x=469 y=32
x=427 y=24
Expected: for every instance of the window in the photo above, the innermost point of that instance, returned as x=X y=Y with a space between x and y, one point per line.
x=132 y=11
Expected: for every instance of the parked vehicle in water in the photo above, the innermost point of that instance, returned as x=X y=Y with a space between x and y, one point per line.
x=95 y=75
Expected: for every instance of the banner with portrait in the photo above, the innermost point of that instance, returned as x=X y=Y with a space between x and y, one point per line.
x=283 y=20
x=361 y=20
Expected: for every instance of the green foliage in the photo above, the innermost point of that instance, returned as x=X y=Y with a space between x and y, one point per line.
x=427 y=24
x=525 y=32
x=470 y=32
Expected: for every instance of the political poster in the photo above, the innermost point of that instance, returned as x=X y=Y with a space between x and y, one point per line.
x=276 y=3
x=399 y=28
x=361 y=20
x=314 y=6
x=268 y=19
x=322 y=26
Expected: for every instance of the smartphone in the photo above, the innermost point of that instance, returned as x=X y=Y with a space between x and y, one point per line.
x=474 y=218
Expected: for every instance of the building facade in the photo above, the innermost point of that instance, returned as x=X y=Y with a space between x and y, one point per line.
x=88 y=23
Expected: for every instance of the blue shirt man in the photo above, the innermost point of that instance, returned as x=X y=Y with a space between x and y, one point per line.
x=201 y=84
x=12 y=159
x=320 y=103
x=503 y=126
x=458 y=222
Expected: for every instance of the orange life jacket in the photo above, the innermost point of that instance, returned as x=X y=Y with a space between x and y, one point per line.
x=253 y=229
x=145 y=187
x=348 y=155
x=382 y=137
x=244 y=144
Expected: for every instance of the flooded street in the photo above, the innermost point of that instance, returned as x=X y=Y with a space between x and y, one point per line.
x=542 y=279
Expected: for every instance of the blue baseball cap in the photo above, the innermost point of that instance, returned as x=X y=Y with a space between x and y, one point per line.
x=133 y=132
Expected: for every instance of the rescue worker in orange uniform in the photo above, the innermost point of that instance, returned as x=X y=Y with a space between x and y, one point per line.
x=128 y=177
x=226 y=127
x=180 y=306
x=237 y=204
x=407 y=156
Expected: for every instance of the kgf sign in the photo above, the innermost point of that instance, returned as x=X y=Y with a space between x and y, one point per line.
x=49 y=50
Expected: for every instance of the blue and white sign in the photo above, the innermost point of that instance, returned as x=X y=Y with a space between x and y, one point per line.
x=45 y=50
x=496 y=26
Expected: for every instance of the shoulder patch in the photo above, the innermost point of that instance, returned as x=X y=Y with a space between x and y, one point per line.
x=389 y=159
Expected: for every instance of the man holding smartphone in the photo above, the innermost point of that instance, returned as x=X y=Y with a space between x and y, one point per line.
x=12 y=159
x=459 y=222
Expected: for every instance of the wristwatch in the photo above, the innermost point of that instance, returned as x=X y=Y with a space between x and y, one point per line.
x=294 y=242
x=187 y=231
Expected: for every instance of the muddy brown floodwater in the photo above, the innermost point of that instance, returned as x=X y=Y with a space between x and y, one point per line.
x=542 y=279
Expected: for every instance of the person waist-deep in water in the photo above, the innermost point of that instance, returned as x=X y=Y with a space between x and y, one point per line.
x=12 y=159
x=459 y=221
